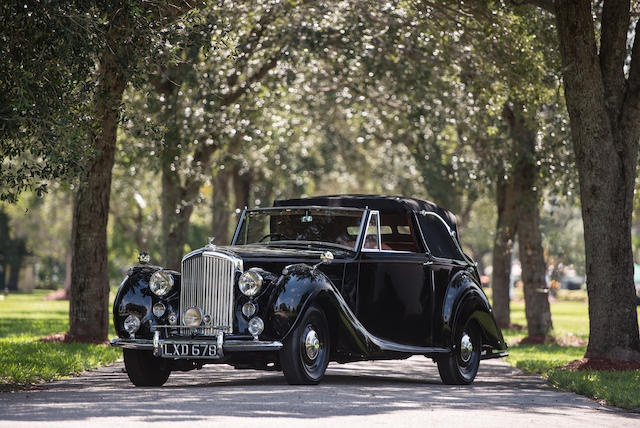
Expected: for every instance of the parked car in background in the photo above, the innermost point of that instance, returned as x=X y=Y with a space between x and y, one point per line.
x=334 y=278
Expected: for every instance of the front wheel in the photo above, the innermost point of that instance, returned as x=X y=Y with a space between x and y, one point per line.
x=305 y=354
x=461 y=365
x=144 y=369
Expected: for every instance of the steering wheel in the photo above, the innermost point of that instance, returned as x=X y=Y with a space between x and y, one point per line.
x=274 y=234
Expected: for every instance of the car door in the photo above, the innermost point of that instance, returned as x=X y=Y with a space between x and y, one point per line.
x=443 y=259
x=394 y=298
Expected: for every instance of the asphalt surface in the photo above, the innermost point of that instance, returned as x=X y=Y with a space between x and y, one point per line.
x=400 y=393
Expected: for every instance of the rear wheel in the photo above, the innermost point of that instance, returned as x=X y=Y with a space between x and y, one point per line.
x=144 y=369
x=461 y=365
x=305 y=354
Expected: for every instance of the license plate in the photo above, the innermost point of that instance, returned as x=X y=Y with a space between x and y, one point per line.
x=189 y=350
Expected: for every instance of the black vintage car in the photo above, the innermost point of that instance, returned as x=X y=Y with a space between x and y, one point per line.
x=308 y=281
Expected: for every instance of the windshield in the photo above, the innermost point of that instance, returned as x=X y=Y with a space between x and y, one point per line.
x=300 y=225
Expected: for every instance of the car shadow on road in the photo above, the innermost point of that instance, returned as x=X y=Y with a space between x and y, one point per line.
x=356 y=389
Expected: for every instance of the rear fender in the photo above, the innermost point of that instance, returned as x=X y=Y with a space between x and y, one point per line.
x=465 y=300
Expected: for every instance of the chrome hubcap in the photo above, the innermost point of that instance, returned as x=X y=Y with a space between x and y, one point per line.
x=312 y=345
x=466 y=347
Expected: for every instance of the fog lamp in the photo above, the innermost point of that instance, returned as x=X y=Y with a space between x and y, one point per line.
x=159 y=309
x=131 y=324
x=248 y=309
x=192 y=317
x=256 y=325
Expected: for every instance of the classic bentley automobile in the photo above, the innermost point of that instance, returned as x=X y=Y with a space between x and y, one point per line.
x=308 y=281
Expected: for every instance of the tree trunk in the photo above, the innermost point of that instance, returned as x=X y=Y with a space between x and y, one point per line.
x=524 y=176
x=241 y=187
x=502 y=247
x=604 y=114
x=19 y=250
x=536 y=292
x=67 y=273
x=177 y=199
x=177 y=207
x=3 y=276
x=176 y=212
x=220 y=207
x=88 y=306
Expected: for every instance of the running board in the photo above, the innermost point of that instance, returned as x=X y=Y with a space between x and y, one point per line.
x=386 y=345
x=496 y=355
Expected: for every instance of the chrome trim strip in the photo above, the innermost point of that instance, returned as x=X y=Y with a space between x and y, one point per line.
x=363 y=222
x=207 y=251
x=391 y=346
x=496 y=355
x=188 y=328
x=424 y=241
x=251 y=345
x=140 y=344
x=306 y=207
x=365 y=226
x=237 y=231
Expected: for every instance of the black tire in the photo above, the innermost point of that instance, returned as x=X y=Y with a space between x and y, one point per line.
x=302 y=364
x=461 y=366
x=144 y=369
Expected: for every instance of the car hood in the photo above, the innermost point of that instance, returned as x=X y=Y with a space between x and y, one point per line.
x=298 y=253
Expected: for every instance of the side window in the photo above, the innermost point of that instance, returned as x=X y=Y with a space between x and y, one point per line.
x=437 y=236
x=396 y=233
x=371 y=238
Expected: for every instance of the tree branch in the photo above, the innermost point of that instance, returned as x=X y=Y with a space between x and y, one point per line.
x=170 y=11
x=548 y=5
x=255 y=77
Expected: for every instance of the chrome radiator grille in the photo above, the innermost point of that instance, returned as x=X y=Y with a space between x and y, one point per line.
x=207 y=283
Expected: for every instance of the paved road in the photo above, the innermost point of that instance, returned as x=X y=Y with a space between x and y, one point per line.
x=368 y=394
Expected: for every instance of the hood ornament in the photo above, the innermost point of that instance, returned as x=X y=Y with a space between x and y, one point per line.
x=211 y=246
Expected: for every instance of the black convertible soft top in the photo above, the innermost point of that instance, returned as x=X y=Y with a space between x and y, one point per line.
x=383 y=203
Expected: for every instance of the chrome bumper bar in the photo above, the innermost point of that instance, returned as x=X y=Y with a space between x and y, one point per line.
x=222 y=345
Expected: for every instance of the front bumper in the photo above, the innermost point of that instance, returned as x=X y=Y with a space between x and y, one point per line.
x=223 y=346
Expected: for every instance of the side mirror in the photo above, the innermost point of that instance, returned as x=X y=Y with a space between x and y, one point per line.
x=326 y=257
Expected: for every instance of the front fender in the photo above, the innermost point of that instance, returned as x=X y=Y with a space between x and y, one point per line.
x=135 y=297
x=300 y=287
x=464 y=300
x=295 y=291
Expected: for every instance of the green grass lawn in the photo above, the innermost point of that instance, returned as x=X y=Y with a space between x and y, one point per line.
x=570 y=318
x=25 y=318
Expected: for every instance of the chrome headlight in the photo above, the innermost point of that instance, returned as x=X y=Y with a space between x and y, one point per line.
x=250 y=283
x=161 y=283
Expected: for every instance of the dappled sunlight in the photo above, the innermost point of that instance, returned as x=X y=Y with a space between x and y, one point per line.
x=377 y=389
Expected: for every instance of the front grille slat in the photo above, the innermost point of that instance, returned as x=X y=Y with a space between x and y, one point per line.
x=207 y=283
